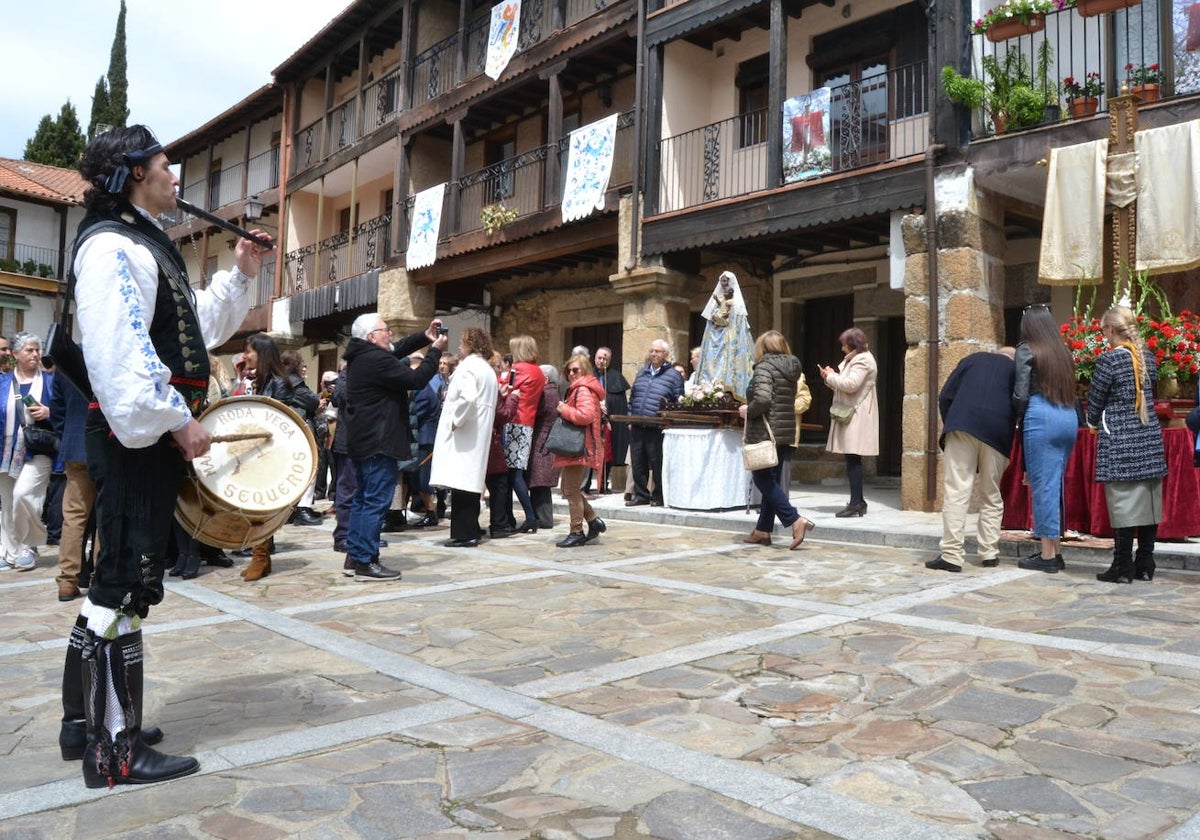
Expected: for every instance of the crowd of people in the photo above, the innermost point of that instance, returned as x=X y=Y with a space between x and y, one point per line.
x=407 y=423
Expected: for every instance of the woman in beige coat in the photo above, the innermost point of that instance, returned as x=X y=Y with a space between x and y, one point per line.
x=853 y=385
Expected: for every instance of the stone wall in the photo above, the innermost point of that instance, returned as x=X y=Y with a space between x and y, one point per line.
x=970 y=295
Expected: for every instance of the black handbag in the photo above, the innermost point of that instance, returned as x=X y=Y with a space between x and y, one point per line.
x=40 y=438
x=566 y=439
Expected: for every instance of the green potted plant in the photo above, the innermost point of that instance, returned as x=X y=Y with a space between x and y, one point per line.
x=965 y=90
x=1083 y=98
x=1011 y=97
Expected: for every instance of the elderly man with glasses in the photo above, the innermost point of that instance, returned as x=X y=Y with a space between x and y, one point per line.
x=654 y=382
x=378 y=379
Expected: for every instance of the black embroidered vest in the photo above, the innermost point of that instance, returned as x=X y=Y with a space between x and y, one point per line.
x=175 y=328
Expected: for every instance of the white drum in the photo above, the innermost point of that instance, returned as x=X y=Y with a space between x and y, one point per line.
x=242 y=491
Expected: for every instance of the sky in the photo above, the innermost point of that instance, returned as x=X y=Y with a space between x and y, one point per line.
x=187 y=61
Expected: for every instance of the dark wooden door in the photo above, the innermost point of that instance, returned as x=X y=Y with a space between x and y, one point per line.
x=824 y=320
x=600 y=335
x=889 y=355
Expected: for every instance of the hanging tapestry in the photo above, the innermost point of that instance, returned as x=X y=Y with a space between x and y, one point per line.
x=806 y=137
x=426 y=224
x=502 y=36
x=589 y=164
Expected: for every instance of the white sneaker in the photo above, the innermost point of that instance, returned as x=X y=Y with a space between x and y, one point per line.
x=5 y=565
x=26 y=559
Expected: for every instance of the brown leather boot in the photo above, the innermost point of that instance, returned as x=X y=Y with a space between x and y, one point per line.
x=758 y=538
x=260 y=563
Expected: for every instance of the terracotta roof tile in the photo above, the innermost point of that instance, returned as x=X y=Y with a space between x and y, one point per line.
x=37 y=180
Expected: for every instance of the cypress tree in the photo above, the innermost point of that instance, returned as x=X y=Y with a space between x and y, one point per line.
x=99 y=109
x=118 y=83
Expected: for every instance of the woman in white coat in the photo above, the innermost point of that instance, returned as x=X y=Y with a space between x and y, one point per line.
x=464 y=434
x=853 y=386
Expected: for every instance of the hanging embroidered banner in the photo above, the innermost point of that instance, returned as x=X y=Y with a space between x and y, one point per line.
x=426 y=224
x=805 y=136
x=589 y=164
x=502 y=36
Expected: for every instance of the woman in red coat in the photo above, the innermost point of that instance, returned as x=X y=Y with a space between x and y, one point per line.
x=581 y=406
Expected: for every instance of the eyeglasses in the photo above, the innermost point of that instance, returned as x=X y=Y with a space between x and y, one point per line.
x=377 y=329
x=574 y=370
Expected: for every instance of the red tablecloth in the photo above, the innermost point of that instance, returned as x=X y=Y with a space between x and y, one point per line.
x=1087 y=512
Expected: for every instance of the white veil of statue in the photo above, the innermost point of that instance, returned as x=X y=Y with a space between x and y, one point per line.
x=727 y=352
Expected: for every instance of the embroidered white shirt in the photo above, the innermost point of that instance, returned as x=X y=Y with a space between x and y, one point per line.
x=115 y=291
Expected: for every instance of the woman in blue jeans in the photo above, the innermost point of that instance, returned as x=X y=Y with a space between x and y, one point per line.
x=1044 y=399
x=770 y=401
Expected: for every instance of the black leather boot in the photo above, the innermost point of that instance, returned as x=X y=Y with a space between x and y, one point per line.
x=1143 y=561
x=1121 y=570
x=124 y=758
x=72 y=735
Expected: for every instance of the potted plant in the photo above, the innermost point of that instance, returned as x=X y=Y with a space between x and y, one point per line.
x=965 y=90
x=1016 y=17
x=1011 y=98
x=495 y=216
x=1144 y=81
x=1083 y=98
x=1091 y=8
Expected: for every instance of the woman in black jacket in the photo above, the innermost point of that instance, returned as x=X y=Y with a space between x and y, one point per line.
x=771 y=398
x=271 y=380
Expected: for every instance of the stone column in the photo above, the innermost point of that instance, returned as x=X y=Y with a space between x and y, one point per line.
x=406 y=307
x=970 y=290
x=656 y=306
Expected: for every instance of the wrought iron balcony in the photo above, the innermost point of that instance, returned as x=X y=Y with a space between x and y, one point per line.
x=520 y=184
x=1069 y=46
x=339 y=257
x=32 y=261
x=430 y=74
x=873 y=120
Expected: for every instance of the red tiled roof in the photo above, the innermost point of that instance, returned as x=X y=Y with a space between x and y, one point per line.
x=37 y=180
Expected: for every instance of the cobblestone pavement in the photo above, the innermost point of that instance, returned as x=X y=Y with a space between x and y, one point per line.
x=665 y=682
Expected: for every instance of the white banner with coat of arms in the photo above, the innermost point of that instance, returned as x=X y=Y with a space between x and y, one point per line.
x=589 y=165
x=425 y=227
x=502 y=37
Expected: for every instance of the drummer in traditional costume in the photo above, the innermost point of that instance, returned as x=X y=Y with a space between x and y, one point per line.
x=727 y=351
x=144 y=338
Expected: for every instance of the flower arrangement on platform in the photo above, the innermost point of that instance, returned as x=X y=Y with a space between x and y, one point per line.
x=1022 y=10
x=1143 y=74
x=1175 y=345
x=1086 y=343
x=1173 y=339
x=702 y=394
x=1092 y=86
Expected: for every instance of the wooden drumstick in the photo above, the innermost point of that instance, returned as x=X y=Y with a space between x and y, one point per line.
x=244 y=436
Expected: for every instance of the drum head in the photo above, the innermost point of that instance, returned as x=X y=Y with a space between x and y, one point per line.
x=261 y=475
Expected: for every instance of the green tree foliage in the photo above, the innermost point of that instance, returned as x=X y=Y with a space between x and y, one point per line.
x=57 y=142
x=110 y=105
x=99 y=109
x=118 y=83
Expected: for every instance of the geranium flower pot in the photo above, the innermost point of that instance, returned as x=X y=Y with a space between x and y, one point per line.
x=1083 y=107
x=1147 y=93
x=1091 y=8
x=1014 y=27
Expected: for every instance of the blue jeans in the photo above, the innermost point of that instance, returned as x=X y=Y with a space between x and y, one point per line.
x=376 y=486
x=1048 y=436
x=775 y=501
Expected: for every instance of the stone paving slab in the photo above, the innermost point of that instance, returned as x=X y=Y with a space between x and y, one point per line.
x=666 y=681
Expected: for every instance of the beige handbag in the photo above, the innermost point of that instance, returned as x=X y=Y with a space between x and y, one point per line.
x=762 y=455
